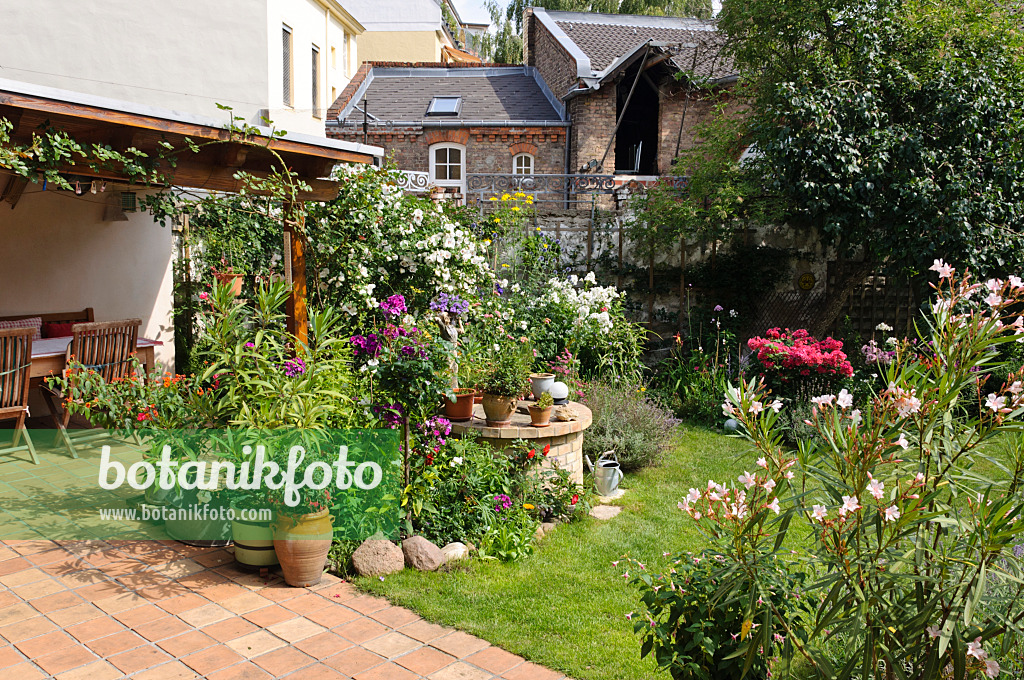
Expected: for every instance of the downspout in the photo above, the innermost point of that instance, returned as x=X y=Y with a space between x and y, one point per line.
x=565 y=161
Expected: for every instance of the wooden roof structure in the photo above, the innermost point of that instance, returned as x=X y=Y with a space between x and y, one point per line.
x=122 y=125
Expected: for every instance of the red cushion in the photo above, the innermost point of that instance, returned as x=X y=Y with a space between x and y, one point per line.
x=57 y=330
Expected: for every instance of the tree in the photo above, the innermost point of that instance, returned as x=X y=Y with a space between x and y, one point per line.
x=892 y=126
x=504 y=43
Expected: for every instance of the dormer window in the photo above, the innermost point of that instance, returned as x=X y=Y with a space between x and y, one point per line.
x=444 y=106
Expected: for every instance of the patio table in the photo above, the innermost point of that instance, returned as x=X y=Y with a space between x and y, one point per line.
x=49 y=355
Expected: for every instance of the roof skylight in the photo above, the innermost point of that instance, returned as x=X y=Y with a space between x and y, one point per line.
x=444 y=106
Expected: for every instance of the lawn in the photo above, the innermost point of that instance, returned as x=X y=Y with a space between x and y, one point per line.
x=565 y=606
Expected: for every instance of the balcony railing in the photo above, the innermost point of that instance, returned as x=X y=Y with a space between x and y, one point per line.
x=413 y=181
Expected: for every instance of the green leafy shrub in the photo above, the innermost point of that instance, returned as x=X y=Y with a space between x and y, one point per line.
x=626 y=420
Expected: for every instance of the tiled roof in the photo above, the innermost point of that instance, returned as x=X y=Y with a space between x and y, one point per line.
x=606 y=37
x=488 y=94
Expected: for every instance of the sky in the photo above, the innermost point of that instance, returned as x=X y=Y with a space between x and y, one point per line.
x=474 y=11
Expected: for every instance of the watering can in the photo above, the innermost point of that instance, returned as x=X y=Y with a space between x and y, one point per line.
x=607 y=473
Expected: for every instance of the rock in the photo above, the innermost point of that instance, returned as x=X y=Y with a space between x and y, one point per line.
x=605 y=511
x=421 y=554
x=547 y=526
x=455 y=551
x=566 y=413
x=615 y=495
x=377 y=557
x=538 y=533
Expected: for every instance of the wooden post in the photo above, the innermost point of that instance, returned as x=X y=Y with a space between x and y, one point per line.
x=297 y=313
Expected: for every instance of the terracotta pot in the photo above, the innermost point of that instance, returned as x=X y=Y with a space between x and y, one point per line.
x=232 y=279
x=540 y=417
x=302 y=545
x=461 y=409
x=254 y=542
x=499 y=410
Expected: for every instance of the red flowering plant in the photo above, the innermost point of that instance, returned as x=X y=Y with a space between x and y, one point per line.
x=907 y=545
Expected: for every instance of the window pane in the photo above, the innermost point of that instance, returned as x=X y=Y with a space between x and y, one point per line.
x=316 y=82
x=440 y=156
x=455 y=155
x=286 y=50
x=454 y=172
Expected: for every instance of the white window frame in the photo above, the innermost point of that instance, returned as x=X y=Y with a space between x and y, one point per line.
x=515 y=164
x=460 y=183
x=316 y=77
x=288 y=66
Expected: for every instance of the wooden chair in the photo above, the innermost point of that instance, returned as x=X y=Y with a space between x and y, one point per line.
x=106 y=347
x=15 y=368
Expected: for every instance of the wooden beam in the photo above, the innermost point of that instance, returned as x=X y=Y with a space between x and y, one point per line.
x=298 y=317
x=233 y=155
x=13 y=115
x=171 y=127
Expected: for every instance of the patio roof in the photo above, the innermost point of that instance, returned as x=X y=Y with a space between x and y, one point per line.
x=90 y=119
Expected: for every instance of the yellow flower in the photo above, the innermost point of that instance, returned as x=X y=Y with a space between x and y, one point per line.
x=538 y=228
x=545 y=245
x=487 y=242
x=527 y=506
x=515 y=208
x=745 y=629
x=505 y=197
x=497 y=221
x=503 y=264
x=493 y=198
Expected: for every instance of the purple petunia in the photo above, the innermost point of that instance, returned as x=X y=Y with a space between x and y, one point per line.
x=394 y=306
x=452 y=304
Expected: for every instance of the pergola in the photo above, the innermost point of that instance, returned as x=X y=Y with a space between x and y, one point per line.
x=214 y=167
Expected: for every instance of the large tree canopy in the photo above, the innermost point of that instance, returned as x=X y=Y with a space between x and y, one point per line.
x=893 y=126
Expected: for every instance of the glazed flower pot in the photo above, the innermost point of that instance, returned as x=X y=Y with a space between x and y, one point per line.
x=540 y=417
x=302 y=544
x=499 y=410
x=254 y=542
x=541 y=383
x=231 y=279
x=461 y=409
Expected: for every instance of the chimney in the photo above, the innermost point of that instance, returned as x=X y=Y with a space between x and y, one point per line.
x=527 y=18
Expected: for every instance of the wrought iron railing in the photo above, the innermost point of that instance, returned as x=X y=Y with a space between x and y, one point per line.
x=413 y=181
x=557 y=188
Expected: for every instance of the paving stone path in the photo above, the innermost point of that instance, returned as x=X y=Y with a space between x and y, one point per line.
x=154 y=610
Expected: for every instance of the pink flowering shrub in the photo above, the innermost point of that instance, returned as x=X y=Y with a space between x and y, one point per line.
x=792 y=355
x=908 y=549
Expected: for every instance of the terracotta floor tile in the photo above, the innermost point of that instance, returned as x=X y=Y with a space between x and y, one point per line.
x=61 y=600
x=20 y=578
x=281 y=593
x=72 y=615
x=48 y=556
x=202 y=580
x=116 y=643
x=392 y=644
x=225 y=591
x=173 y=670
x=145 y=580
x=177 y=569
x=531 y=671
x=182 y=603
x=9 y=656
x=306 y=603
x=12 y=565
x=25 y=671
x=133 y=661
x=387 y=671
x=215 y=558
x=459 y=644
x=31 y=547
x=268 y=616
x=97 y=670
x=161 y=628
x=460 y=670
x=245 y=603
x=367 y=604
x=65 y=660
x=323 y=645
x=283 y=661
x=317 y=672
x=395 y=617
x=37 y=589
x=100 y=591
x=361 y=630
x=16 y=613
x=29 y=628
x=425 y=660
x=333 y=615
x=121 y=602
x=242 y=671
x=139 y=615
x=94 y=628
x=354 y=660
x=187 y=643
x=494 y=659
x=204 y=616
x=42 y=645
x=229 y=629
x=338 y=592
x=255 y=644
x=296 y=629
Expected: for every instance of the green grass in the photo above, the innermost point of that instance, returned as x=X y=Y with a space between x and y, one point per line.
x=564 y=607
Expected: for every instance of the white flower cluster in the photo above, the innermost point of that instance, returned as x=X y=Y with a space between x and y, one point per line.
x=590 y=303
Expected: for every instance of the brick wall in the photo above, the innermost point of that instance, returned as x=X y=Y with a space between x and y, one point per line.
x=672 y=106
x=488 y=150
x=593 y=121
x=551 y=60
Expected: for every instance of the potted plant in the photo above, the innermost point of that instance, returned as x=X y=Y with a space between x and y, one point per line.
x=540 y=412
x=461 y=408
x=506 y=383
x=227 y=276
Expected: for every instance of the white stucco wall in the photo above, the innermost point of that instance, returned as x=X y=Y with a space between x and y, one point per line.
x=396 y=15
x=185 y=55
x=311 y=23
x=58 y=255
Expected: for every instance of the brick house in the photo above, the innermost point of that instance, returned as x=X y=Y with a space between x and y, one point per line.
x=449 y=121
x=607 y=66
